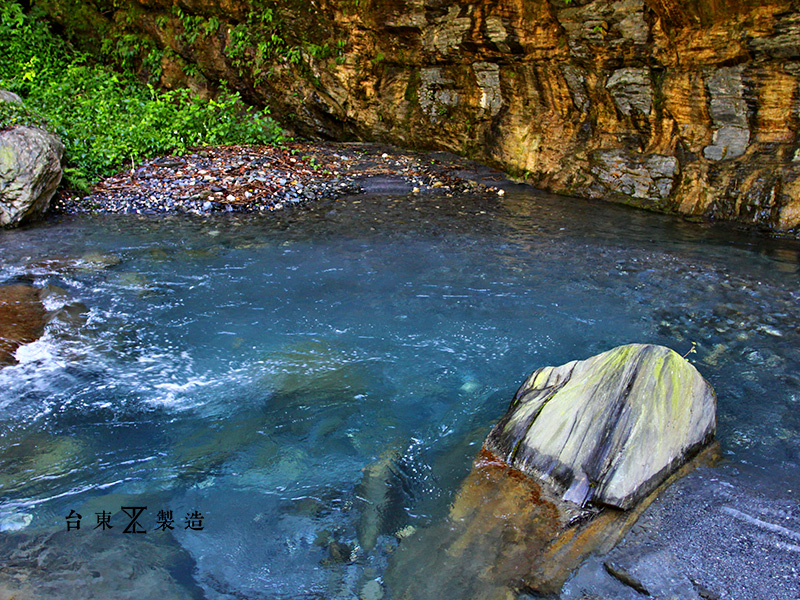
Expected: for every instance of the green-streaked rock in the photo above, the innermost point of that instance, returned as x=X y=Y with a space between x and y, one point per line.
x=608 y=429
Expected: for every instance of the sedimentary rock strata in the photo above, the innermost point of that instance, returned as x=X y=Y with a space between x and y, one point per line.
x=672 y=106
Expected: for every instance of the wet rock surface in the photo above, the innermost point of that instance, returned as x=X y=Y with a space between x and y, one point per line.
x=90 y=564
x=257 y=179
x=709 y=537
x=506 y=533
x=22 y=318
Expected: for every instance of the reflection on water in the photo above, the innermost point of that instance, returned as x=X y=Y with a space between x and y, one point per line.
x=317 y=383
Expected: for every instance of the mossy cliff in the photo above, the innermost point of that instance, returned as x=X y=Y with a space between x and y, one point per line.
x=689 y=107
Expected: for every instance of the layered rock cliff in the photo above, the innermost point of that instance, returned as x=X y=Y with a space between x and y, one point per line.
x=687 y=107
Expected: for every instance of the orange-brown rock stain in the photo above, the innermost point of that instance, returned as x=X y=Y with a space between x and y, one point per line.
x=22 y=319
x=507 y=533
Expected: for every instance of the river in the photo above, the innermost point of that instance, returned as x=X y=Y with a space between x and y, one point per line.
x=235 y=377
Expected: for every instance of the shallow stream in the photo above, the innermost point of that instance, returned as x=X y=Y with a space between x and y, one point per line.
x=314 y=385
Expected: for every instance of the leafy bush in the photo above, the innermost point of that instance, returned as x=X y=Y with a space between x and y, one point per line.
x=105 y=118
x=12 y=114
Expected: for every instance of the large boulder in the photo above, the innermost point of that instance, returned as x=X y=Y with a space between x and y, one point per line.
x=30 y=171
x=579 y=443
x=608 y=429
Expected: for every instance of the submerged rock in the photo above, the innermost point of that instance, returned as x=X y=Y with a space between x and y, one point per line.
x=612 y=431
x=379 y=499
x=608 y=429
x=87 y=263
x=31 y=457
x=92 y=564
x=30 y=171
x=22 y=319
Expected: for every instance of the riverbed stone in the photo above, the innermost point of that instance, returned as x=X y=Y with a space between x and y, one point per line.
x=91 y=564
x=608 y=429
x=22 y=319
x=30 y=171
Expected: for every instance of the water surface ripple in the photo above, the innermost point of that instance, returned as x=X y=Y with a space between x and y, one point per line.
x=253 y=369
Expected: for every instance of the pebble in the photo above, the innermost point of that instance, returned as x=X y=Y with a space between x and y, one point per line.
x=372 y=590
x=246 y=179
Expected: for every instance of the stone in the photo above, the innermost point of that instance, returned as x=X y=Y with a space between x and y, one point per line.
x=372 y=590
x=488 y=78
x=31 y=456
x=339 y=552
x=581 y=453
x=447 y=34
x=729 y=142
x=576 y=80
x=631 y=90
x=88 y=263
x=728 y=112
x=91 y=565
x=436 y=93
x=637 y=177
x=22 y=319
x=608 y=429
x=378 y=502
x=497 y=33
x=30 y=171
x=6 y=96
x=669 y=550
x=506 y=533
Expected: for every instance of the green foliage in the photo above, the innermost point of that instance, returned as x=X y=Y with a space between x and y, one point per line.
x=106 y=118
x=257 y=44
x=128 y=50
x=12 y=114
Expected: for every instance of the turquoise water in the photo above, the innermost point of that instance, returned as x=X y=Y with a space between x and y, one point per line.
x=316 y=384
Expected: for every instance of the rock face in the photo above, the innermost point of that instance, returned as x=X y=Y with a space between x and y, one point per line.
x=608 y=429
x=675 y=106
x=30 y=171
x=613 y=429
